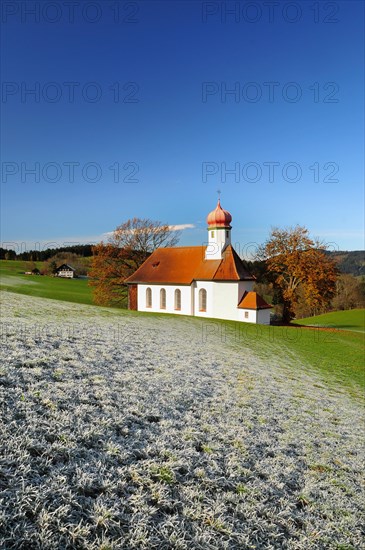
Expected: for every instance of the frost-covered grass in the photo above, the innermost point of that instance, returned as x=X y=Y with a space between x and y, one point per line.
x=336 y=355
x=132 y=431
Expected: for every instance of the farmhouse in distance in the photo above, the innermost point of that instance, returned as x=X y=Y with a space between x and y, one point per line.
x=66 y=271
x=205 y=281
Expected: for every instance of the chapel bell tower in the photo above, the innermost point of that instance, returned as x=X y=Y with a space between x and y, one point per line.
x=219 y=232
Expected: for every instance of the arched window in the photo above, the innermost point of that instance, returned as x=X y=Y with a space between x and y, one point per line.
x=162 y=298
x=148 y=297
x=202 y=299
x=177 y=299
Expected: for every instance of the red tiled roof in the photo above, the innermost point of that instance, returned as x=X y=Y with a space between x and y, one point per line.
x=231 y=267
x=252 y=300
x=182 y=265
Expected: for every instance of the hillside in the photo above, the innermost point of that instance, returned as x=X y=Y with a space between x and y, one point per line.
x=353 y=320
x=12 y=278
x=352 y=262
x=124 y=430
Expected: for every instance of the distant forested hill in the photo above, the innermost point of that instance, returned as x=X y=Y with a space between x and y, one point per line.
x=43 y=255
x=352 y=262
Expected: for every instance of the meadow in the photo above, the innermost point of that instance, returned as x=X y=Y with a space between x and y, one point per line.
x=337 y=355
x=136 y=431
x=353 y=319
x=12 y=278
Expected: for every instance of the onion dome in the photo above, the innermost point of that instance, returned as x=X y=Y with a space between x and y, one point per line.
x=219 y=217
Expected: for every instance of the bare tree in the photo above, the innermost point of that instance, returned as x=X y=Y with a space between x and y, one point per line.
x=127 y=248
x=143 y=235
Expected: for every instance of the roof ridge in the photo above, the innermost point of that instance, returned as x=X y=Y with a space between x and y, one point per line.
x=175 y=247
x=235 y=256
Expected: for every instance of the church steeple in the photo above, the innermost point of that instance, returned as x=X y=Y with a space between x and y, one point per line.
x=219 y=232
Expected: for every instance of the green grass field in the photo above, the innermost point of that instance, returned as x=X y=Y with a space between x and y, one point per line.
x=12 y=278
x=353 y=319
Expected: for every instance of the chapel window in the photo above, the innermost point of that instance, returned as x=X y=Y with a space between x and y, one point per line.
x=162 y=298
x=202 y=299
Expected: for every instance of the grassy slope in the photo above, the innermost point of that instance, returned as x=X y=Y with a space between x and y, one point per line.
x=337 y=355
x=353 y=319
x=125 y=430
x=12 y=278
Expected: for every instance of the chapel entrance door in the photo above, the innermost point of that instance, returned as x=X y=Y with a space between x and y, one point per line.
x=132 y=297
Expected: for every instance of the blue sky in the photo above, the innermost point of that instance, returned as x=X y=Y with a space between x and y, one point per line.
x=147 y=90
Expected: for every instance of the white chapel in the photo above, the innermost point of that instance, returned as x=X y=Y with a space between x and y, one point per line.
x=205 y=281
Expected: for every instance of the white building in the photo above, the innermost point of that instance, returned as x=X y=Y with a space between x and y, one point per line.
x=204 y=281
x=66 y=271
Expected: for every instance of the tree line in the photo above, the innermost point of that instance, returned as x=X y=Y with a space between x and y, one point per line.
x=83 y=250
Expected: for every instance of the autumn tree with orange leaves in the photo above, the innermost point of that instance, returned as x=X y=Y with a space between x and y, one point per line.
x=125 y=251
x=300 y=267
